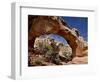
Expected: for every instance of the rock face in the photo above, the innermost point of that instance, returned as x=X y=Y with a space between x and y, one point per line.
x=84 y=45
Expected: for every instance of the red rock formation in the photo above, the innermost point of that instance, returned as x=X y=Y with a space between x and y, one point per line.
x=40 y=25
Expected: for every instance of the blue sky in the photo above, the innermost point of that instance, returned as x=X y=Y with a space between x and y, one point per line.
x=80 y=23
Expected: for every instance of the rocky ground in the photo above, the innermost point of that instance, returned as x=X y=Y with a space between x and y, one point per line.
x=36 y=59
x=79 y=60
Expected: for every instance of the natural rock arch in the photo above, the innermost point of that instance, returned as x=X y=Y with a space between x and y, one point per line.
x=40 y=25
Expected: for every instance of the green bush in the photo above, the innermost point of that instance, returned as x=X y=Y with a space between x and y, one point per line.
x=37 y=62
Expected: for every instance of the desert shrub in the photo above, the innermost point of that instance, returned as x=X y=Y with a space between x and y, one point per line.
x=55 y=58
x=37 y=62
x=67 y=55
x=52 y=55
x=48 y=54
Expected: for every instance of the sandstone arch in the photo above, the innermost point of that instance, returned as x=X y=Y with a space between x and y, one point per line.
x=40 y=25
